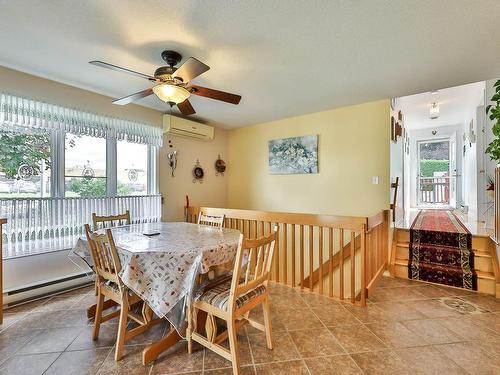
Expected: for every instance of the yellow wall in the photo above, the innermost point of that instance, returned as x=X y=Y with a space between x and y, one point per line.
x=211 y=193
x=353 y=146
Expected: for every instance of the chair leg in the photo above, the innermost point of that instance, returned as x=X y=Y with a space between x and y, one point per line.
x=267 y=323
x=233 y=346
x=98 y=316
x=122 y=327
x=189 y=329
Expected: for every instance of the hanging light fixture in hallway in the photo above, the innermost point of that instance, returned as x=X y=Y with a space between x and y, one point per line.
x=434 y=110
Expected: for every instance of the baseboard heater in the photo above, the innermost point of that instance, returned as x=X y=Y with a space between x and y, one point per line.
x=45 y=289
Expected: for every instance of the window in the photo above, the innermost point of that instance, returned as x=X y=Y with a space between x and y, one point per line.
x=25 y=161
x=84 y=166
x=132 y=168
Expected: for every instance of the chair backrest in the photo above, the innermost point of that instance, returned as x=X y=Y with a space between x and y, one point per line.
x=104 y=255
x=101 y=222
x=254 y=273
x=210 y=220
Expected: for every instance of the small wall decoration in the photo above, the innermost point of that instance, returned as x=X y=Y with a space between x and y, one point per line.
x=472 y=134
x=87 y=172
x=220 y=166
x=297 y=155
x=172 y=161
x=133 y=174
x=396 y=127
x=198 y=173
x=25 y=172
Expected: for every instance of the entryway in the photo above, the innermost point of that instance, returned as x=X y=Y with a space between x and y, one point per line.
x=436 y=174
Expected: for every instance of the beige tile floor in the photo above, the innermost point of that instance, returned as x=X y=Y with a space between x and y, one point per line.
x=408 y=328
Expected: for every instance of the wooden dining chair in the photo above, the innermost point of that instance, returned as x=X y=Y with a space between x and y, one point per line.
x=231 y=298
x=100 y=222
x=109 y=285
x=211 y=220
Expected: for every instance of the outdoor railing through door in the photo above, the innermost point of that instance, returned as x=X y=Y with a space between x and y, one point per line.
x=338 y=256
x=435 y=190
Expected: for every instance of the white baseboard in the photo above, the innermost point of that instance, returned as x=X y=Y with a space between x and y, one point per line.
x=39 y=275
x=46 y=288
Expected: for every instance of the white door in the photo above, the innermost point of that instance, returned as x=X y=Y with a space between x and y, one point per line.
x=434 y=173
x=454 y=175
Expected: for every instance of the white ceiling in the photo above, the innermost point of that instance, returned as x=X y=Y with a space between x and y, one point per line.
x=456 y=106
x=284 y=57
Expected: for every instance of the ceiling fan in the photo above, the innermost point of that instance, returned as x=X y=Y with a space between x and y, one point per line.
x=171 y=84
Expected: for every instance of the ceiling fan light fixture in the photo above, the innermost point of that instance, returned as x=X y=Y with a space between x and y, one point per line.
x=171 y=93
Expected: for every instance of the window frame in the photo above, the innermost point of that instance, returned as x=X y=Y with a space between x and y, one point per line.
x=58 y=189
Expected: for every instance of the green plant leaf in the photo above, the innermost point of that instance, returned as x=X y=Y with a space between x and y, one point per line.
x=488 y=108
x=497 y=83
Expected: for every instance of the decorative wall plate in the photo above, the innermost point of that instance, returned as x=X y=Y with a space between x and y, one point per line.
x=133 y=175
x=87 y=172
x=198 y=173
x=25 y=172
x=220 y=166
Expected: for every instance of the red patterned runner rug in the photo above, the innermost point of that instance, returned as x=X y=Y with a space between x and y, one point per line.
x=441 y=250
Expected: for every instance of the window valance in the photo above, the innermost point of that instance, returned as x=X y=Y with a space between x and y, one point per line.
x=18 y=113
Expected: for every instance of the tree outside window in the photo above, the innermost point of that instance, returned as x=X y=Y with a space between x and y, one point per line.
x=25 y=164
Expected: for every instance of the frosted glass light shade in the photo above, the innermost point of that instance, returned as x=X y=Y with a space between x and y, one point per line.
x=434 y=110
x=171 y=93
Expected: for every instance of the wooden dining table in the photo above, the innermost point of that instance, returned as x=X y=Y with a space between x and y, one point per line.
x=161 y=263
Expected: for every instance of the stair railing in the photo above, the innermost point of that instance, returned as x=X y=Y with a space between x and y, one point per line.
x=338 y=256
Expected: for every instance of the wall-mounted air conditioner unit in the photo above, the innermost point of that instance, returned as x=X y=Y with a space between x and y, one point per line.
x=187 y=128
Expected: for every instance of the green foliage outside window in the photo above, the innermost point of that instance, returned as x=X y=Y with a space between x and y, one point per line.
x=493 y=111
x=429 y=166
x=19 y=148
x=94 y=187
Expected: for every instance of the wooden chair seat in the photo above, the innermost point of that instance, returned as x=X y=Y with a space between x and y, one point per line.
x=217 y=294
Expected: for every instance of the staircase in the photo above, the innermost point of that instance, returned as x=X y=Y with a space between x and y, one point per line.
x=485 y=260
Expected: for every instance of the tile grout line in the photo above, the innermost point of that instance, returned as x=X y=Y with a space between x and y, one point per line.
x=337 y=340
x=251 y=351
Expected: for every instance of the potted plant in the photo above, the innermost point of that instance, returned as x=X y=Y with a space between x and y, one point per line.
x=493 y=110
x=490 y=188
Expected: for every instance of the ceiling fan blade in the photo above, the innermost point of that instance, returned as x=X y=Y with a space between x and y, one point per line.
x=106 y=65
x=186 y=108
x=192 y=68
x=132 y=98
x=215 y=94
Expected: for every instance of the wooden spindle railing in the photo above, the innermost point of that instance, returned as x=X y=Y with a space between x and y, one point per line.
x=338 y=256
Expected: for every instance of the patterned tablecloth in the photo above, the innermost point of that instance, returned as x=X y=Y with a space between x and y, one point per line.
x=162 y=269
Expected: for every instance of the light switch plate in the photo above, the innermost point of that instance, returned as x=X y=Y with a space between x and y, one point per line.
x=375 y=180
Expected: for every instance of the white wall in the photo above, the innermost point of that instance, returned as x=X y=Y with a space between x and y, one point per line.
x=485 y=162
x=470 y=168
x=397 y=169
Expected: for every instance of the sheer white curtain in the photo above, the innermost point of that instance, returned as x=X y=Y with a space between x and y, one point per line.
x=21 y=114
x=37 y=225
